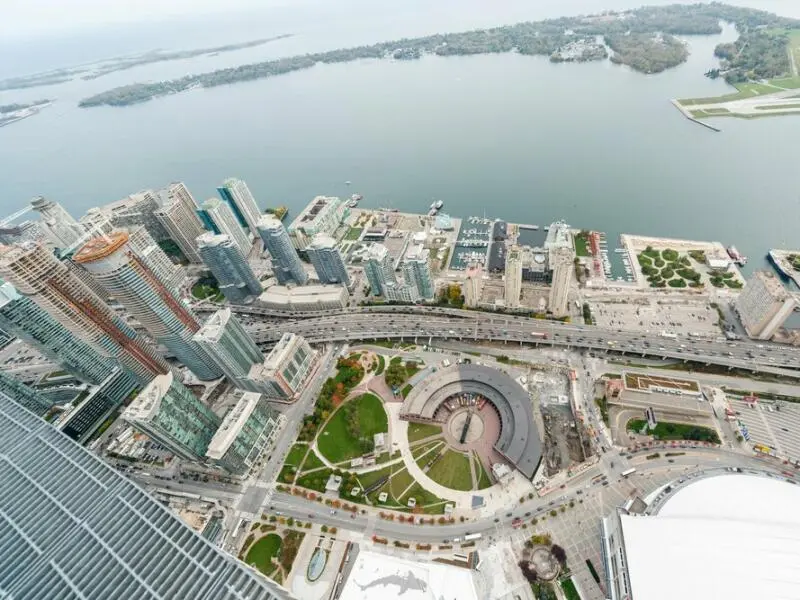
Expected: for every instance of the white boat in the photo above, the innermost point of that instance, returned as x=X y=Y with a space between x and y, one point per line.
x=347 y=183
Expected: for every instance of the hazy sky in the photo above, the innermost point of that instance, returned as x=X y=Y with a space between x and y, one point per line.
x=25 y=17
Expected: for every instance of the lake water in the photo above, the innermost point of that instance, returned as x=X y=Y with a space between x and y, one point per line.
x=510 y=136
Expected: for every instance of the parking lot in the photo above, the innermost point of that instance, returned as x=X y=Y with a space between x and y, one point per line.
x=778 y=428
x=651 y=315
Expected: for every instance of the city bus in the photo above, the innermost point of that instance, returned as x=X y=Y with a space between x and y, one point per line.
x=472 y=536
x=628 y=472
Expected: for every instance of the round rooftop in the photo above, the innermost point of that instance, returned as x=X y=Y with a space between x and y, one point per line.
x=732 y=536
x=100 y=247
x=519 y=439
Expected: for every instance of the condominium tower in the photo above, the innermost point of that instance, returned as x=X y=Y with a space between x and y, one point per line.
x=218 y=217
x=59 y=226
x=73 y=527
x=226 y=341
x=178 y=215
x=37 y=274
x=764 y=305
x=286 y=367
x=379 y=269
x=126 y=276
x=324 y=214
x=23 y=318
x=286 y=264
x=170 y=414
x=236 y=193
x=513 y=277
x=233 y=274
x=327 y=260
x=562 y=264
x=142 y=243
x=417 y=273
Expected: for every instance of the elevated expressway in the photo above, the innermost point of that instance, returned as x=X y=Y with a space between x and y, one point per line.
x=424 y=324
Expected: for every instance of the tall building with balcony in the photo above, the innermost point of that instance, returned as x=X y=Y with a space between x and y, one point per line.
x=226 y=341
x=286 y=367
x=764 y=305
x=327 y=260
x=59 y=226
x=26 y=320
x=286 y=264
x=178 y=215
x=218 y=217
x=170 y=414
x=73 y=527
x=231 y=270
x=136 y=210
x=324 y=214
x=238 y=196
x=246 y=432
x=24 y=395
x=562 y=265
x=126 y=276
x=379 y=269
x=37 y=274
x=155 y=258
x=417 y=273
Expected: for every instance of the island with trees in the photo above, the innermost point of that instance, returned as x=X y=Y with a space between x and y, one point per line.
x=643 y=39
x=11 y=113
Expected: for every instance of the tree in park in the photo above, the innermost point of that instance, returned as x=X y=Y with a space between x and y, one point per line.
x=559 y=554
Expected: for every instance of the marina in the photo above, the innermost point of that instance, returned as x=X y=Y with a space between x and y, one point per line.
x=472 y=245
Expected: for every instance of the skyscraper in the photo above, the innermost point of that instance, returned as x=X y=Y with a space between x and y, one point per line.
x=235 y=277
x=286 y=265
x=73 y=527
x=178 y=215
x=59 y=226
x=327 y=260
x=218 y=217
x=24 y=395
x=764 y=305
x=138 y=209
x=417 y=273
x=170 y=414
x=22 y=317
x=379 y=269
x=126 y=276
x=227 y=342
x=236 y=193
x=154 y=257
x=286 y=367
x=513 y=277
x=37 y=274
x=561 y=262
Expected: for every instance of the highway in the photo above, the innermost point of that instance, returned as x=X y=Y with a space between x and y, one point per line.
x=427 y=323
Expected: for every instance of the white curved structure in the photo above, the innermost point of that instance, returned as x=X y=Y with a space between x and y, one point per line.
x=729 y=536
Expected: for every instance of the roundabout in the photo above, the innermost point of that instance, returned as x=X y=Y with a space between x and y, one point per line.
x=483 y=413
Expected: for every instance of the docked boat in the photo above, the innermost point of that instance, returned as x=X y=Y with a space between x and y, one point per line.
x=738 y=258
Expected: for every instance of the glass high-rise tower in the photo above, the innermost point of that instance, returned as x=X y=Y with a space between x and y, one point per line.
x=327 y=260
x=126 y=276
x=235 y=277
x=238 y=196
x=286 y=264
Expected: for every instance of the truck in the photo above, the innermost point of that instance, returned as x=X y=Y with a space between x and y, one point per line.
x=472 y=536
x=628 y=472
x=539 y=334
x=668 y=334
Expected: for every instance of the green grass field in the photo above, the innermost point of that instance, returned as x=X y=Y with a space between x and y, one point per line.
x=296 y=454
x=381 y=365
x=424 y=498
x=419 y=431
x=316 y=480
x=336 y=444
x=676 y=431
x=581 y=244
x=263 y=551
x=452 y=470
x=570 y=592
x=484 y=481
x=367 y=479
x=312 y=462
x=353 y=233
x=418 y=451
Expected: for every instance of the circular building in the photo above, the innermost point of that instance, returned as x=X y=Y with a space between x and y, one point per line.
x=475 y=403
x=722 y=535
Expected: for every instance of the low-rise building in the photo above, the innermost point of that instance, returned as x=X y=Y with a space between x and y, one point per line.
x=307 y=298
x=246 y=432
x=323 y=214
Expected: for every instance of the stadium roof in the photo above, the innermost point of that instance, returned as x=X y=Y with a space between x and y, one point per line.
x=728 y=536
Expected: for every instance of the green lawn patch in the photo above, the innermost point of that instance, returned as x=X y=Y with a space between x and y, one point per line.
x=350 y=431
x=296 y=454
x=744 y=90
x=666 y=430
x=353 y=233
x=419 y=431
x=287 y=474
x=406 y=390
x=312 y=461
x=570 y=591
x=452 y=471
x=315 y=480
x=381 y=365
x=582 y=243
x=418 y=451
x=261 y=553
x=424 y=498
x=399 y=482
x=484 y=481
x=371 y=477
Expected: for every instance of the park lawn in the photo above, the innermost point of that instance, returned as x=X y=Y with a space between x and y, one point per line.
x=381 y=365
x=423 y=496
x=418 y=451
x=312 y=461
x=666 y=430
x=336 y=444
x=581 y=244
x=424 y=458
x=370 y=477
x=296 y=454
x=406 y=390
x=315 y=480
x=399 y=482
x=570 y=591
x=287 y=474
x=452 y=470
x=263 y=551
x=484 y=481
x=419 y=431
x=789 y=83
x=353 y=233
